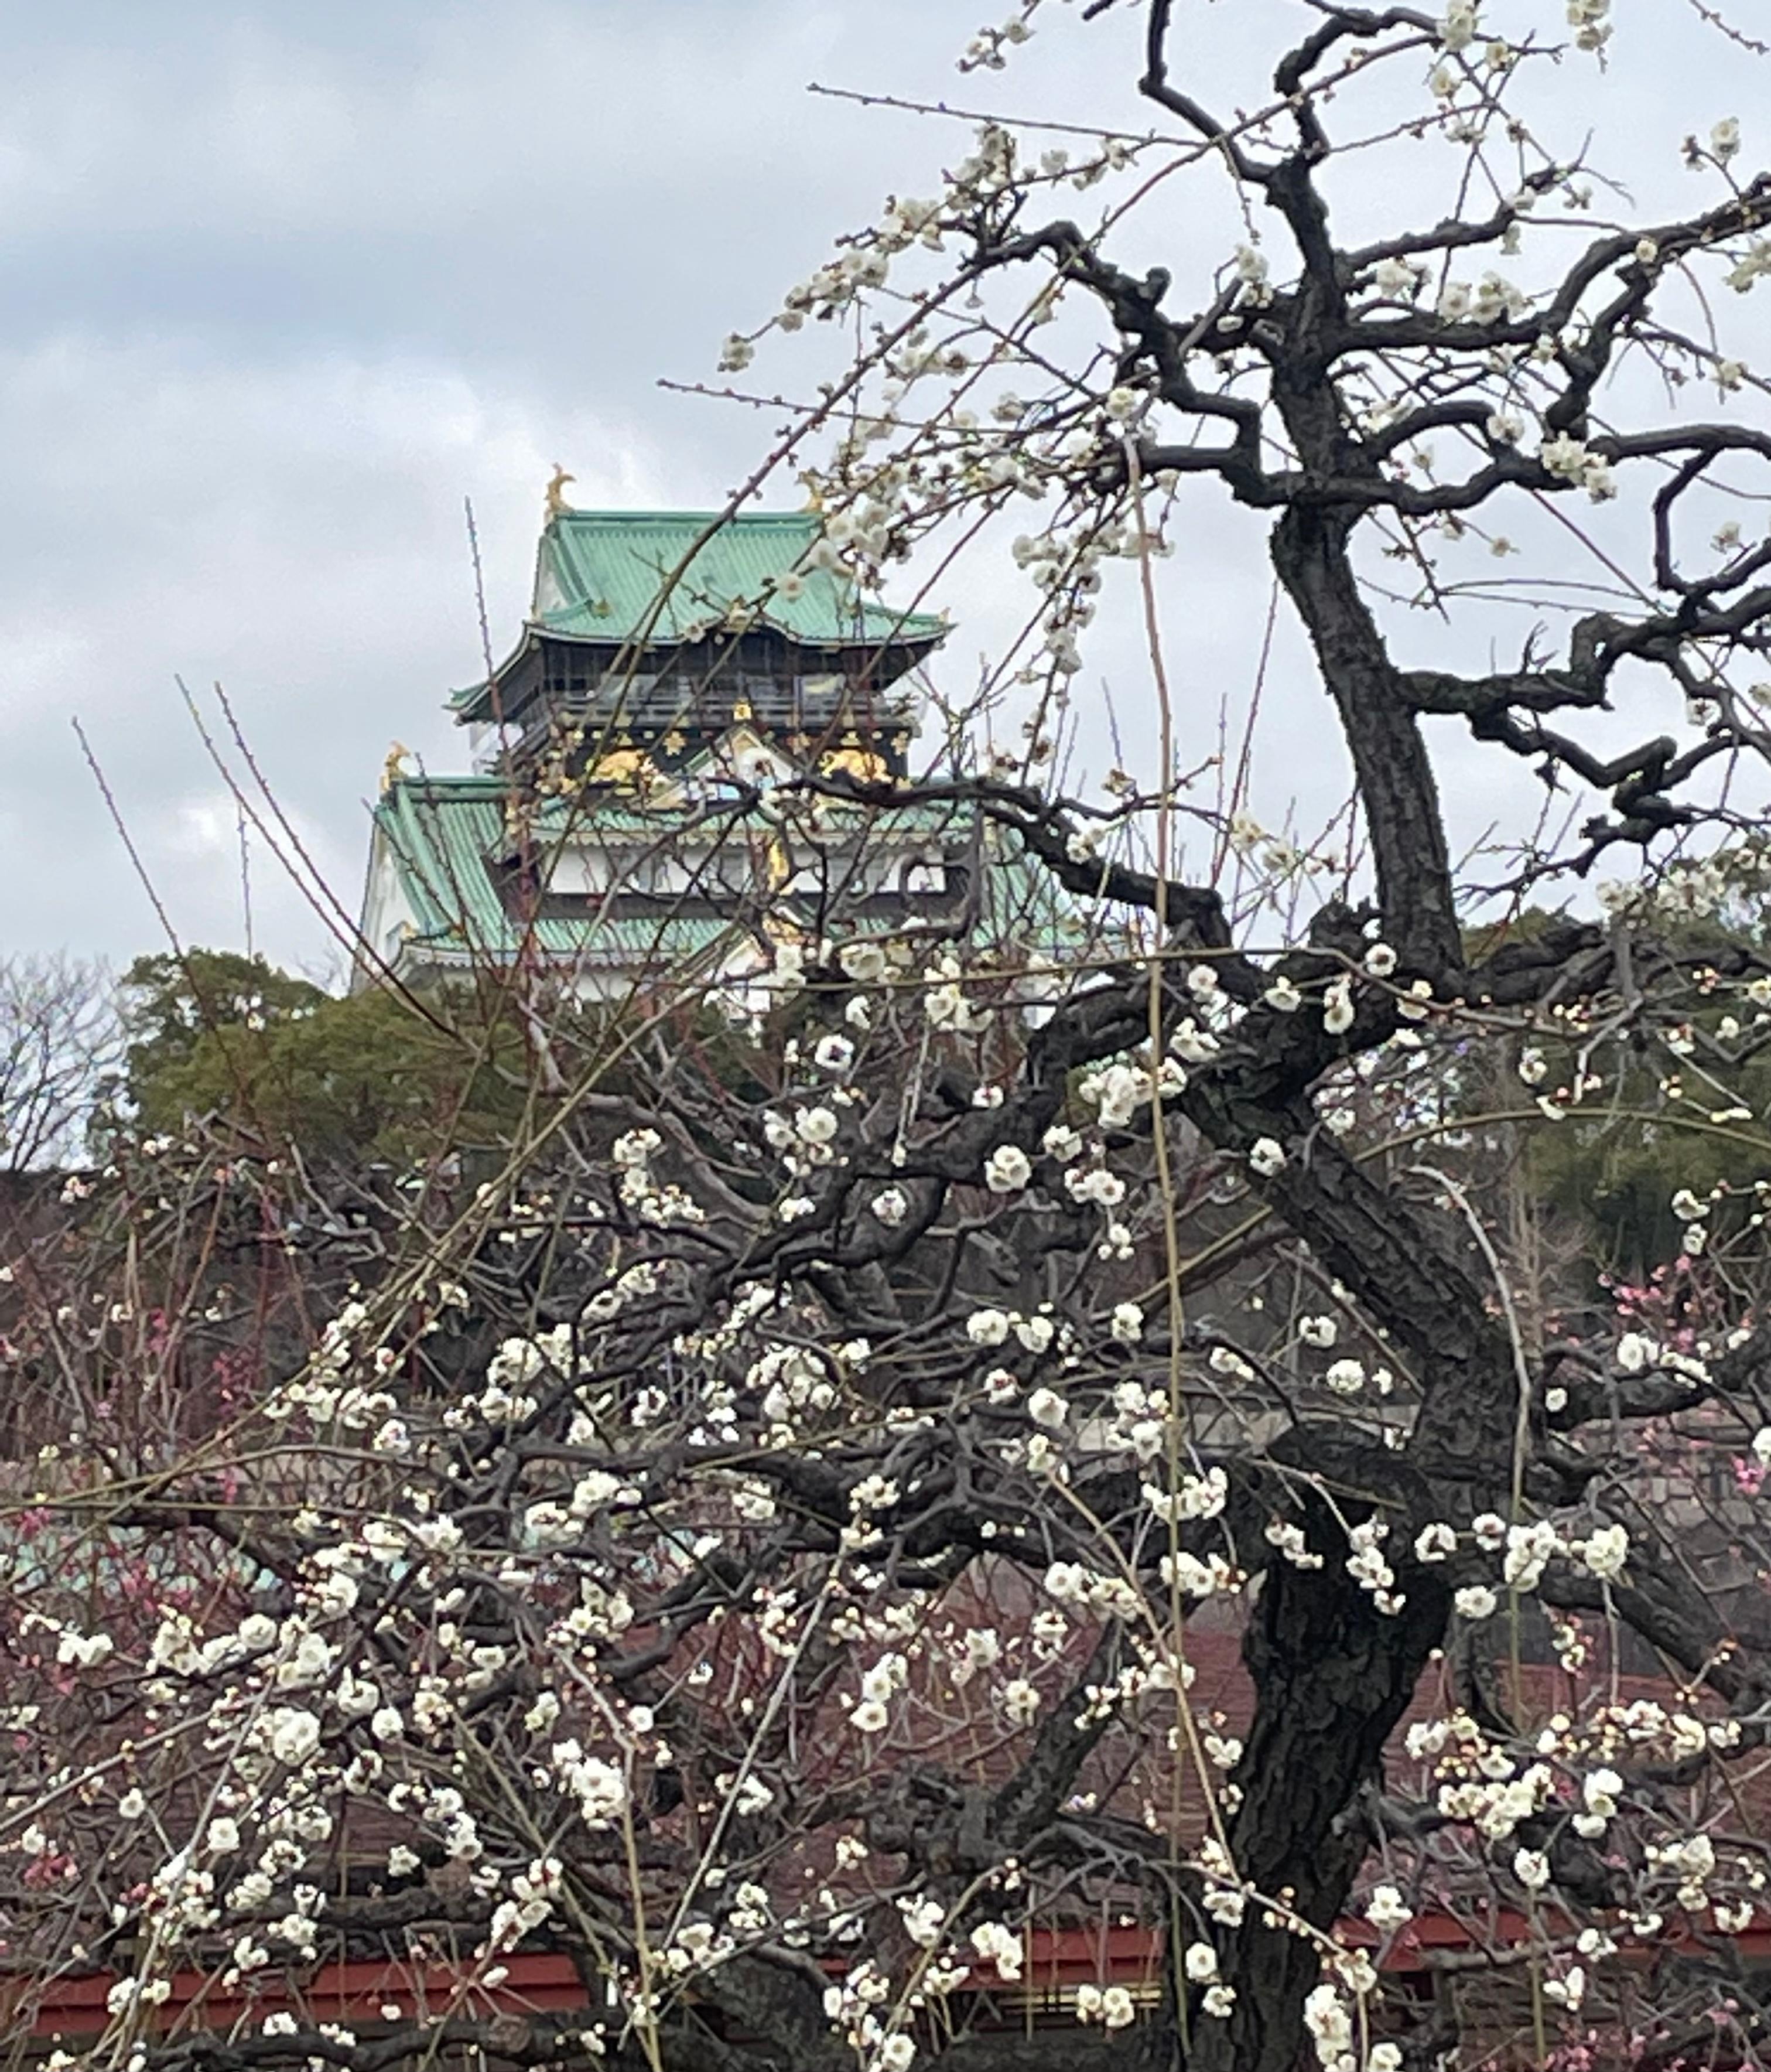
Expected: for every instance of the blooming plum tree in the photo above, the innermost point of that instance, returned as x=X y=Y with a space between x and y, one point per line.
x=1052 y=1433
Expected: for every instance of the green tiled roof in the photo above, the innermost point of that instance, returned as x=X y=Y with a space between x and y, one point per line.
x=442 y=832
x=599 y=575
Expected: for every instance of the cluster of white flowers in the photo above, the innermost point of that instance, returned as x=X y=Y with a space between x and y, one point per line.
x=945 y=1002
x=1192 y=1577
x=1112 y=2006
x=1007 y=1169
x=1118 y=1089
x=1492 y=298
x=1292 y=1547
x=1529 y=1548
x=986 y=52
x=1112 y=1596
x=995 y=1943
x=1035 y=1334
x=1753 y=265
x=1591 y=23
x=1495 y=1806
x=1330 y=2024
x=598 y=1787
x=1367 y=1567
x=1457 y=26
x=852 y=2006
x=1198 y=1497
x=530 y=1902
x=792 y=1382
x=879 y=1685
x=1571 y=460
x=631 y=1155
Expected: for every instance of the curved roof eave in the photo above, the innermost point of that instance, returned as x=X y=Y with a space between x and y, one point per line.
x=465 y=701
x=898 y=636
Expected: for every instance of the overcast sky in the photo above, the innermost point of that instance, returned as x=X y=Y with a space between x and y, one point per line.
x=284 y=284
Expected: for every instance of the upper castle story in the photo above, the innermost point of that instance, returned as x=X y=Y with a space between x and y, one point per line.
x=653 y=635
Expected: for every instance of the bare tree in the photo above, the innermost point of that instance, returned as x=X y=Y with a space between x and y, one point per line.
x=58 y=1046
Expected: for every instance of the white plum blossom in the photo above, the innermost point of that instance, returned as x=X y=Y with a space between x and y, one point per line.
x=1600 y=1791
x=1571 y=460
x=863 y=961
x=1604 y=1553
x=1569 y=1989
x=1457 y=26
x=1635 y=1352
x=816 y=1125
x=1200 y=1961
x=1062 y=1143
x=1020 y=1700
x=1036 y=1333
x=1118 y=2008
x=291 y=1734
x=1046 y=1406
x=1395 y=277
x=996 y=1944
x=1007 y=1169
x=834 y=1053
x=1588 y=20
x=1528 y=1548
x=1330 y=2026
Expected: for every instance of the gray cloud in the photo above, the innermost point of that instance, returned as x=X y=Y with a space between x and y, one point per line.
x=284 y=284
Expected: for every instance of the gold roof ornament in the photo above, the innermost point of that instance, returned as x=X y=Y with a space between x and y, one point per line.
x=557 y=505
x=627 y=769
x=861 y=764
x=395 y=768
x=741 y=708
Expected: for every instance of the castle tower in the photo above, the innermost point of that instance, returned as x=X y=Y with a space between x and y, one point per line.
x=672 y=668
